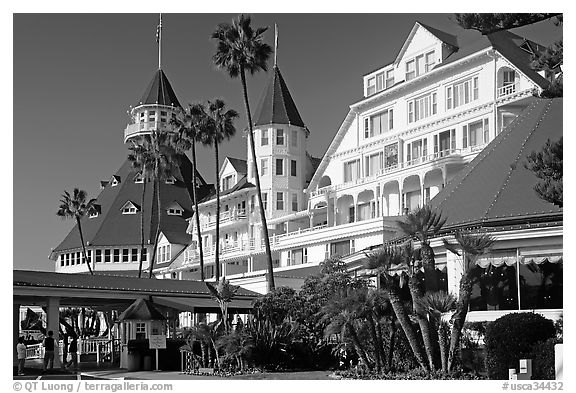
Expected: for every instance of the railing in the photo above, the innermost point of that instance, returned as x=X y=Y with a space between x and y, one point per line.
x=507 y=89
x=396 y=167
x=137 y=128
x=226 y=217
x=99 y=346
x=34 y=351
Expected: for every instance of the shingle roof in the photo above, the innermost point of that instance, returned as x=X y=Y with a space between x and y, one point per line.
x=441 y=35
x=141 y=310
x=276 y=104
x=112 y=228
x=240 y=185
x=239 y=165
x=159 y=92
x=495 y=187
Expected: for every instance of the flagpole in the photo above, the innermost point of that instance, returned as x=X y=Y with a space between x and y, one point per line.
x=160 y=43
x=275 y=44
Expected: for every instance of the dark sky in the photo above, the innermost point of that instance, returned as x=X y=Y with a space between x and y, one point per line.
x=76 y=75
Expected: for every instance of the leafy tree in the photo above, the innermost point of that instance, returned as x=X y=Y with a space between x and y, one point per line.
x=240 y=48
x=470 y=247
x=219 y=127
x=155 y=155
x=76 y=206
x=547 y=166
x=189 y=123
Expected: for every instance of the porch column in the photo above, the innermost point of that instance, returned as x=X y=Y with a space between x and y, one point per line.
x=250 y=264
x=401 y=197
x=15 y=331
x=223 y=264
x=444 y=175
x=335 y=210
x=53 y=323
x=422 y=198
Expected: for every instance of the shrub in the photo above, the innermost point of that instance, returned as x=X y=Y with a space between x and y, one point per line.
x=511 y=337
x=542 y=356
x=415 y=374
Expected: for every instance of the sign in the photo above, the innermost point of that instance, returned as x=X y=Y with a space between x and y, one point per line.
x=157 y=341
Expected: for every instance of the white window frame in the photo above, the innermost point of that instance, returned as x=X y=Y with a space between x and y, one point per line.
x=368 y=129
x=265 y=200
x=293 y=168
x=280 y=201
x=358 y=172
x=371 y=86
x=456 y=92
x=294 y=202
x=422 y=107
x=264 y=138
x=280 y=136
x=281 y=166
x=294 y=138
x=264 y=166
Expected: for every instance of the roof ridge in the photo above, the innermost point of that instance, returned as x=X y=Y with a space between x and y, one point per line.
x=512 y=166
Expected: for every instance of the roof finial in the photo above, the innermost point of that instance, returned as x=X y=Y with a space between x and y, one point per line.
x=275 y=44
x=159 y=42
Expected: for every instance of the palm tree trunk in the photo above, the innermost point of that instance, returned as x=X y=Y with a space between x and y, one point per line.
x=196 y=210
x=372 y=328
x=358 y=345
x=392 y=339
x=430 y=275
x=421 y=317
x=217 y=254
x=443 y=341
x=270 y=278
x=459 y=317
x=156 y=237
x=83 y=245
x=142 y=222
x=406 y=325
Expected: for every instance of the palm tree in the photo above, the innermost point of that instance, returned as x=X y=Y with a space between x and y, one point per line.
x=390 y=263
x=470 y=247
x=223 y=293
x=218 y=127
x=240 y=48
x=422 y=224
x=437 y=304
x=189 y=123
x=155 y=155
x=75 y=206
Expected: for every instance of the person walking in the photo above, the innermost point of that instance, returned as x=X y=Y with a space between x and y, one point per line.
x=48 y=345
x=21 y=351
x=73 y=351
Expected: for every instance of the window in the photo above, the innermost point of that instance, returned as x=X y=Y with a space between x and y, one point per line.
x=140 y=330
x=252 y=203
x=227 y=183
x=264 y=138
x=139 y=178
x=129 y=208
x=279 y=201
x=280 y=137
x=410 y=70
x=379 y=123
x=279 y=167
x=417 y=149
x=125 y=255
x=371 y=87
x=430 y=61
x=265 y=200
x=294 y=138
x=340 y=248
x=389 y=78
x=134 y=255
x=391 y=156
x=151 y=116
x=364 y=212
x=294 y=202
x=293 y=168
x=420 y=65
x=264 y=166
x=175 y=211
x=107 y=253
x=170 y=180
x=422 y=107
x=98 y=256
x=305 y=256
x=352 y=245
x=475 y=133
x=163 y=253
x=374 y=164
x=326 y=251
x=508 y=77
x=462 y=93
x=144 y=254
x=351 y=171
x=116 y=255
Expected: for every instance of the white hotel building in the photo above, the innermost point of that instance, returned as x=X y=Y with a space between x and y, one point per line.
x=422 y=119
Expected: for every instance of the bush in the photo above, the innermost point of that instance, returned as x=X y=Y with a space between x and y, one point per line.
x=415 y=374
x=511 y=337
x=542 y=356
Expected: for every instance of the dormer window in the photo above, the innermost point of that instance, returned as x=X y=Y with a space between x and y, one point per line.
x=95 y=211
x=103 y=184
x=381 y=81
x=115 y=181
x=227 y=182
x=420 y=65
x=130 y=208
x=174 y=209
x=170 y=180
x=139 y=178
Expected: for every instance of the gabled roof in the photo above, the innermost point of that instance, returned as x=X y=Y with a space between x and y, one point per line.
x=495 y=188
x=113 y=228
x=276 y=104
x=159 y=92
x=130 y=204
x=141 y=310
x=446 y=38
x=239 y=165
x=242 y=184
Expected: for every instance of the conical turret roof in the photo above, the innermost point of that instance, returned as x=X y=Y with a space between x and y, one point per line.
x=276 y=104
x=159 y=92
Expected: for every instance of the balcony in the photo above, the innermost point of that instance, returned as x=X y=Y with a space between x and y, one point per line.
x=142 y=128
x=507 y=90
x=227 y=218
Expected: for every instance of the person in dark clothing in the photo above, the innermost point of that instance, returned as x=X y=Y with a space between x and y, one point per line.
x=48 y=345
x=73 y=351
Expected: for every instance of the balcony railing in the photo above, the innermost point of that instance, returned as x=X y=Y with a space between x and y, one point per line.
x=144 y=127
x=229 y=216
x=506 y=90
x=397 y=167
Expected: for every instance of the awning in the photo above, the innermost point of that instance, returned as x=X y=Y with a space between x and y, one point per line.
x=199 y=304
